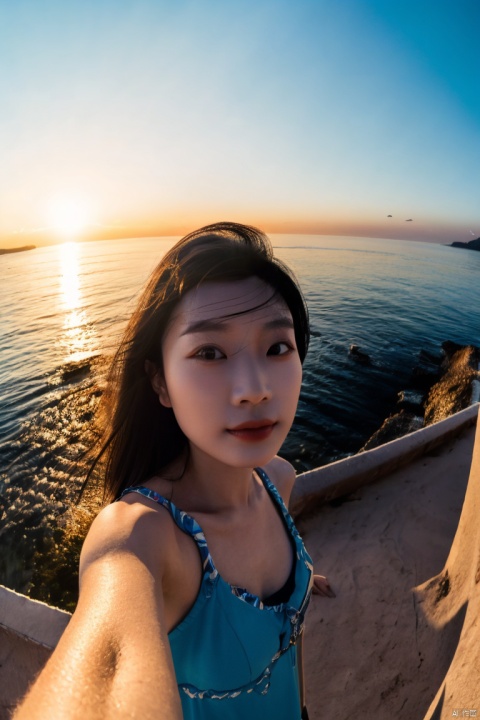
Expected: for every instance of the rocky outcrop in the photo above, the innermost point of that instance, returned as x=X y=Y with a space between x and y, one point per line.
x=76 y=371
x=359 y=355
x=395 y=426
x=472 y=245
x=426 y=372
x=453 y=392
x=441 y=386
x=41 y=526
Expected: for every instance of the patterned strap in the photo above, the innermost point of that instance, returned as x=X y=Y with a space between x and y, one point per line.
x=156 y=497
x=277 y=498
x=185 y=522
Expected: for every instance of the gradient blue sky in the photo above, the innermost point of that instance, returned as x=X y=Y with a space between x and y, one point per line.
x=153 y=117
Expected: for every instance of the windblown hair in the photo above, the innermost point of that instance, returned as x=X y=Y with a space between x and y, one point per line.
x=140 y=436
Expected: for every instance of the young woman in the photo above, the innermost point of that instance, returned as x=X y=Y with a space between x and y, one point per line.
x=194 y=583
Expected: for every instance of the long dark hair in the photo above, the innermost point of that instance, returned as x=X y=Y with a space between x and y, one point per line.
x=141 y=436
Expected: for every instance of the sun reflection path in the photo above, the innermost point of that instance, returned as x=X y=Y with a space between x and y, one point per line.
x=69 y=275
x=78 y=338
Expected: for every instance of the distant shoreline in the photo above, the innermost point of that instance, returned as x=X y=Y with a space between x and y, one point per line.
x=17 y=249
x=472 y=245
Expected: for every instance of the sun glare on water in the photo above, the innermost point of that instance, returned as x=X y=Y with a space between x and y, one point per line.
x=78 y=338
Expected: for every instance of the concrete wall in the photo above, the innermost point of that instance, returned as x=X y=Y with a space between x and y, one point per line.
x=29 y=630
x=343 y=477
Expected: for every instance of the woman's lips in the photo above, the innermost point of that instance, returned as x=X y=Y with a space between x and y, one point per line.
x=253 y=431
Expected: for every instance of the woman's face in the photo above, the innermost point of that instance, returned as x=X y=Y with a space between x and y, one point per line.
x=232 y=382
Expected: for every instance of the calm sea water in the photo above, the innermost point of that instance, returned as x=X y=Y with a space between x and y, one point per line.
x=61 y=304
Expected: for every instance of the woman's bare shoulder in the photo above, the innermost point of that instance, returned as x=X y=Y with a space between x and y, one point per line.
x=282 y=474
x=133 y=526
x=118 y=629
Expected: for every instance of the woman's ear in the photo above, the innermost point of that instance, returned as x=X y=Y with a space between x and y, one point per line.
x=158 y=383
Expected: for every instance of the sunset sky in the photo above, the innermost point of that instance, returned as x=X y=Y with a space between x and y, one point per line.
x=148 y=117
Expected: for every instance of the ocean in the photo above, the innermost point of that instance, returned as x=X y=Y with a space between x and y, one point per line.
x=64 y=304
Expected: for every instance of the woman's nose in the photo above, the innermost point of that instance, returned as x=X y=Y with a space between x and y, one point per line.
x=250 y=383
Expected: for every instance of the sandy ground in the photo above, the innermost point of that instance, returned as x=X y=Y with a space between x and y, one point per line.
x=401 y=639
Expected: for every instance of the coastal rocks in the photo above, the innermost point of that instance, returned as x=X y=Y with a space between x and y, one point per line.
x=427 y=371
x=41 y=526
x=441 y=385
x=453 y=392
x=472 y=245
x=76 y=371
x=395 y=426
x=359 y=356
x=410 y=401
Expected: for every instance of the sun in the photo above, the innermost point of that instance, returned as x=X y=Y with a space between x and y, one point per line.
x=69 y=216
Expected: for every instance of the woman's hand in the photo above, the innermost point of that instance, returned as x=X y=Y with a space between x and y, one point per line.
x=321 y=586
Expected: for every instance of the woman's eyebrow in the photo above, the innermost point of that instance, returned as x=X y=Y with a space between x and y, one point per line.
x=280 y=323
x=204 y=326
x=222 y=325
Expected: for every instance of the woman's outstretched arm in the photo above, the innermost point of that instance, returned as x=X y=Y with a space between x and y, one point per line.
x=114 y=660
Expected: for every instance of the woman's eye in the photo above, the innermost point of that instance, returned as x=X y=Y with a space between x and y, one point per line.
x=280 y=348
x=209 y=353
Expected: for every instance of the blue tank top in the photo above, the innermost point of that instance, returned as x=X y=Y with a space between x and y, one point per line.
x=234 y=656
